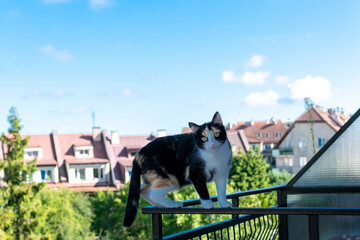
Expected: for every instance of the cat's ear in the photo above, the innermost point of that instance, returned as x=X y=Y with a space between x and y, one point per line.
x=217 y=119
x=194 y=127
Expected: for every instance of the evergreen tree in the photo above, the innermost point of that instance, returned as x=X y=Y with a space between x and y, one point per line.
x=18 y=210
x=248 y=171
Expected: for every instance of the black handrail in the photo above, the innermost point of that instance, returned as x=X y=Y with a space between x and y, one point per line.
x=243 y=214
x=255 y=210
x=193 y=202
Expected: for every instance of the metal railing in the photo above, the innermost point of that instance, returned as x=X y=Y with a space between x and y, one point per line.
x=246 y=223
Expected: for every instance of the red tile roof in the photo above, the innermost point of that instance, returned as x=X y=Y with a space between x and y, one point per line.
x=252 y=129
x=43 y=141
x=335 y=119
x=68 y=141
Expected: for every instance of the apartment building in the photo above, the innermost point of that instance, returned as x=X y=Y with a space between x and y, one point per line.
x=263 y=135
x=307 y=135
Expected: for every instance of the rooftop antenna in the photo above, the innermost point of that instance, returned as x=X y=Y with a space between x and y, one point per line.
x=93 y=118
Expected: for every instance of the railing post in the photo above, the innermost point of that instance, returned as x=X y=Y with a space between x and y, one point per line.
x=283 y=219
x=235 y=203
x=156 y=226
x=313 y=227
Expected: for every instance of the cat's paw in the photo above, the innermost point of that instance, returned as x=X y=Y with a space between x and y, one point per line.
x=179 y=204
x=225 y=204
x=207 y=204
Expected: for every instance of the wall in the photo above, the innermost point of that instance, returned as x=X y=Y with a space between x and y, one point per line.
x=89 y=172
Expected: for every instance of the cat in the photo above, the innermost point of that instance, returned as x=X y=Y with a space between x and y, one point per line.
x=168 y=163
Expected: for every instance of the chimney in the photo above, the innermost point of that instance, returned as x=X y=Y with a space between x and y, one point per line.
x=334 y=115
x=115 y=138
x=251 y=123
x=96 y=134
x=161 y=133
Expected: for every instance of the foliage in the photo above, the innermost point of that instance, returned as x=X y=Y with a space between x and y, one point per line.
x=109 y=213
x=18 y=212
x=250 y=171
x=308 y=104
x=64 y=214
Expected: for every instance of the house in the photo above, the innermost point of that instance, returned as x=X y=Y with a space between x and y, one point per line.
x=263 y=135
x=76 y=161
x=306 y=136
x=121 y=151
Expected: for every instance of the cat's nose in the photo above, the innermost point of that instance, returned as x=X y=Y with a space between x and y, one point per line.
x=212 y=144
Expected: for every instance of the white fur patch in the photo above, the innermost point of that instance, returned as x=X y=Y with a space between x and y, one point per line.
x=207 y=204
x=218 y=159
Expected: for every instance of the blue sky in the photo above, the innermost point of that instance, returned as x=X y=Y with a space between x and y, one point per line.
x=147 y=65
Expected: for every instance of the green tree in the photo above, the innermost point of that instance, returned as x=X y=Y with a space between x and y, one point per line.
x=250 y=171
x=109 y=210
x=64 y=214
x=19 y=208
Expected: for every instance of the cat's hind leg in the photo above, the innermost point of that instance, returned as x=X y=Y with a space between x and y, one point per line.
x=160 y=187
x=144 y=193
x=158 y=197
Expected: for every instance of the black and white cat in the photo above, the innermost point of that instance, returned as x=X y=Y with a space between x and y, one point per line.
x=168 y=163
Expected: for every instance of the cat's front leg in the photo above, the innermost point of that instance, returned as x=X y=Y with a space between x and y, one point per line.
x=201 y=188
x=221 y=192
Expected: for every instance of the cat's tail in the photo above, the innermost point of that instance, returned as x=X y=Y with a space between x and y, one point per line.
x=133 y=196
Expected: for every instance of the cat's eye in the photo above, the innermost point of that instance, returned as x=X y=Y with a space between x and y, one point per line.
x=216 y=134
x=204 y=139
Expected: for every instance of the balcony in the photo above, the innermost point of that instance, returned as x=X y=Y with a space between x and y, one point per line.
x=322 y=201
x=282 y=152
x=261 y=223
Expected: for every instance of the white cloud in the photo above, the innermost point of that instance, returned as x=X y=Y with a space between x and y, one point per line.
x=316 y=88
x=282 y=79
x=100 y=4
x=256 y=61
x=229 y=76
x=248 y=78
x=262 y=98
x=59 y=55
x=257 y=78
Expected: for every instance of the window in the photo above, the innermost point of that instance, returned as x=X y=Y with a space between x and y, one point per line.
x=288 y=162
x=277 y=134
x=267 y=147
x=133 y=154
x=32 y=153
x=321 y=142
x=303 y=161
x=45 y=175
x=80 y=173
x=129 y=169
x=83 y=151
x=98 y=173
x=266 y=135
x=302 y=143
x=258 y=135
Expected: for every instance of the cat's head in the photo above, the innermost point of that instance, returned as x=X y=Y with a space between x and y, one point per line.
x=211 y=135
